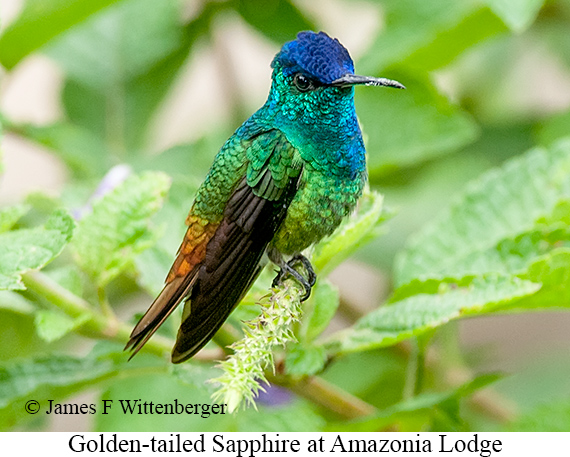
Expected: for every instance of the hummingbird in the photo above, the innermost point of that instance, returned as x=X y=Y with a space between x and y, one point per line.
x=283 y=181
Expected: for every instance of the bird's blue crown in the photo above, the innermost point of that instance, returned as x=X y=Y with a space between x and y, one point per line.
x=316 y=54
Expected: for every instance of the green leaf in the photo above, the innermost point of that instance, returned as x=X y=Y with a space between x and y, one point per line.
x=552 y=270
x=278 y=20
x=58 y=376
x=417 y=194
x=426 y=33
x=195 y=375
x=473 y=29
x=421 y=409
x=43 y=378
x=428 y=124
x=494 y=221
x=554 y=128
x=430 y=286
x=376 y=376
x=43 y=204
x=29 y=249
x=53 y=325
x=87 y=108
x=320 y=310
x=21 y=379
x=10 y=215
x=158 y=388
x=421 y=313
x=558 y=219
x=40 y=22
x=18 y=337
x=354 y=232
x=305 y=360
x=517 y=14
x=509 y=256
x=118 y=228
x=105 y=56
x=116 y=101
x=123 y=41
x=552 y=417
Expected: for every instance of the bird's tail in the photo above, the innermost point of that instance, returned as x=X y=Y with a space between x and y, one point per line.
x=179 y=282
x=172 y=294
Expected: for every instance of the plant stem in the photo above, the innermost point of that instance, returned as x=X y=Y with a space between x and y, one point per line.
x=97 y=325
x=453 y=371
x=415 y=375
x=448 y=364
x=411 y=371
x=350 y=311
x=105 y=305
x=420 y=370
x=326 y=395
x=68 y=302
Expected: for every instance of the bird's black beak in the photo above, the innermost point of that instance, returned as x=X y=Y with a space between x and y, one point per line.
x=352 y=80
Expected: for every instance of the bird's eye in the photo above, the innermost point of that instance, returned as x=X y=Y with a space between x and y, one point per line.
x=302 y=83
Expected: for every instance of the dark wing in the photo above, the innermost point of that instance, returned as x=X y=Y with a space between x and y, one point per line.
x=217 y=263
x=231 y=265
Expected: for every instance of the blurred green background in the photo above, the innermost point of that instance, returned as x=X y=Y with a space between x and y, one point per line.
x=87 y=86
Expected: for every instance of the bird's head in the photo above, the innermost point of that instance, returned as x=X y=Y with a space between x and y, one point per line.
x=313 y=76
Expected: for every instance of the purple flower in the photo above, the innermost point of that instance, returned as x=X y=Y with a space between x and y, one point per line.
x=274 y=396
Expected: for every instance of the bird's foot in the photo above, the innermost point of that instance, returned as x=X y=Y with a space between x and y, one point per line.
x=287 y=269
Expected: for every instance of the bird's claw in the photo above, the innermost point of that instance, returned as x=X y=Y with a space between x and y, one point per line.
x=287 y=269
